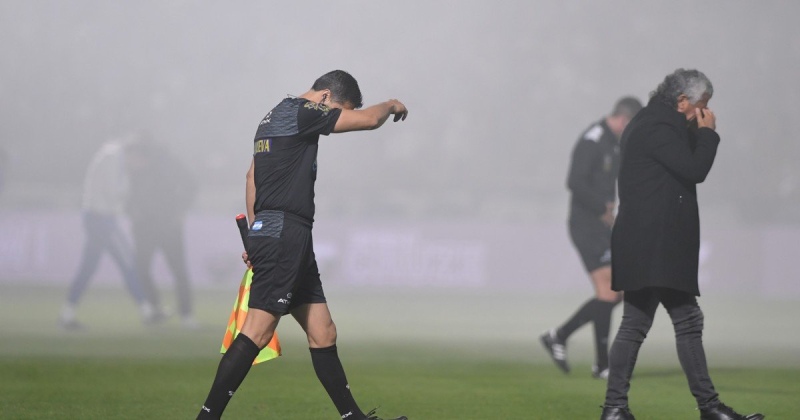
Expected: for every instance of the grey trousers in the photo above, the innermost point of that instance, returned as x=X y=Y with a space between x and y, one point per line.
x=637 y=318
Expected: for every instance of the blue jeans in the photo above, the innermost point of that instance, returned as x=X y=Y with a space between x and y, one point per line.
x=103 y=234
x=637 y=318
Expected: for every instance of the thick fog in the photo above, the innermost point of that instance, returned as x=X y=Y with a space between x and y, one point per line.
x=498 y=94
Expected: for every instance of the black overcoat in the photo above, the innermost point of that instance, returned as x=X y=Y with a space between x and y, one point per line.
x=656 y=237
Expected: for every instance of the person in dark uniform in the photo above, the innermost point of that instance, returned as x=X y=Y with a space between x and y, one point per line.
x=280 y=208
x=162 y=189
x=667 y=149
x=592 y=180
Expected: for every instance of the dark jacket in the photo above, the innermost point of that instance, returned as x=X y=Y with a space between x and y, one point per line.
x=656 y=236
x=162 y=188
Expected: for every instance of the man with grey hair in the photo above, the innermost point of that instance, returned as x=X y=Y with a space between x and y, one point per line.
x=667 y=149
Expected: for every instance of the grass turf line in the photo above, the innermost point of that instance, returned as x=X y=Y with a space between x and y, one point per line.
x=110 y=388
x=424 y=363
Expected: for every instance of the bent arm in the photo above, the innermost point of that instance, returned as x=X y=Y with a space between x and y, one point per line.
x=250 y=192
x=676 y=155
x=369 y=118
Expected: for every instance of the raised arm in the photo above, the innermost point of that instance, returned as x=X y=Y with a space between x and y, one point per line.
x=370 y=118
x=676 y=155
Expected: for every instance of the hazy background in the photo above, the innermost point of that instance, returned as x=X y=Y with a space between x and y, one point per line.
x=498 y=94
x=469 y=190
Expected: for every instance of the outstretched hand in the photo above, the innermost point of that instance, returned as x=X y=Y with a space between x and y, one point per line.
x=399 y=110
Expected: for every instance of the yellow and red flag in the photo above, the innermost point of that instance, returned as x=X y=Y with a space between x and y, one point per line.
x=238 y=315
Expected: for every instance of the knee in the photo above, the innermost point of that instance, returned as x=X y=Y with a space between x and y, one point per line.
x=634 y=329
x=691 y=323
x=261 y=340
x=330 y=335
x=260 y=336
x=609 y=296
x=323 y=337
x=636 y=335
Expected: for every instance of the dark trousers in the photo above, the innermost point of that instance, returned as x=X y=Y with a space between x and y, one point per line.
x=637 y=318
x=167 y=237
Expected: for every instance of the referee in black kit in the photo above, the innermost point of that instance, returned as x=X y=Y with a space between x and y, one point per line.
x=280 y=208
x=592 y=181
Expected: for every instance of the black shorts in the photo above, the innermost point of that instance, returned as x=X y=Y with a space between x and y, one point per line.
x=593 y=242
x=285 y=273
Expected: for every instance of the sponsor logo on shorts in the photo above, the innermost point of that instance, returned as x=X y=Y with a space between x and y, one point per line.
x=287 y=300
x=257 y=225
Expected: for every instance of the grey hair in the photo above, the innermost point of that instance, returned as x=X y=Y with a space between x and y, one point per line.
x=692 y=83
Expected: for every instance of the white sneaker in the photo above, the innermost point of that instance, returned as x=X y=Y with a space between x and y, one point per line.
x=151 y=315
x=68 y=320
x=599 y=374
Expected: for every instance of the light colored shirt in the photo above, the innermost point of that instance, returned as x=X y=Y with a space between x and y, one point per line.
x=106 y=185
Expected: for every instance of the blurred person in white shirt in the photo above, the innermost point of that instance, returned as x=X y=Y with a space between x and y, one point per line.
x=104 y=191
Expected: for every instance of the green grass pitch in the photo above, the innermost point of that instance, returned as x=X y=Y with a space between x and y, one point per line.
x=424 y=355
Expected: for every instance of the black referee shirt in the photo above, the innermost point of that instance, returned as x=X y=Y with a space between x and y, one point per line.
x=285 y=155
x=593 y=173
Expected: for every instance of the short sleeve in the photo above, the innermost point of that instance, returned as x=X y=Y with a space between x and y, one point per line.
x=313 y=118
x=584 y=158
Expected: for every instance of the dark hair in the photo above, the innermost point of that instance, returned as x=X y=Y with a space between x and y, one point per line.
x=343 y=87
x=692 y=83
x=627 y=106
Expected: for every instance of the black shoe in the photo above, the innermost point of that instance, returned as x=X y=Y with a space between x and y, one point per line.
x=556 y=348
x=371 y=416
x=617 y=413
x=723 y=412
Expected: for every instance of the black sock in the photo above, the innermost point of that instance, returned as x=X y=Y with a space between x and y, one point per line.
x=231 y=372
x=602 y=325
x=585 y=314
x=331 y=374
